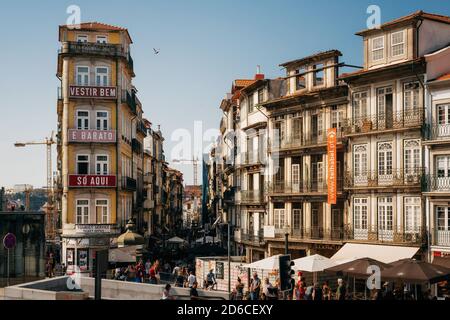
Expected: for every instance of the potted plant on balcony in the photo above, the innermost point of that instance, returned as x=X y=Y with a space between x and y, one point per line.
x=366 y=125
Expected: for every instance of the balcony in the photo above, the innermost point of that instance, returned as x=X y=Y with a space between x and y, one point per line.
x=440 y=237
x=392 y=178
x=436 y=133
x=249 y=237
x=130 y=100
x=251 y=158
x=315 y=233
x=129 y=184
x=308 y=186
x=375 y=235
x=140 y=127
x=136 y=146
x=435 y=183
x=92 y=181
x=97 y=49
x=312 y=139
x=250 y=197
x=92 y=136
x=383 y=122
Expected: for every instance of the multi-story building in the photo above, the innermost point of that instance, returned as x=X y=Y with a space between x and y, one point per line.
x=253 y=165
x=298 y=125
x=100 y=154
x=192 y=206
x=436 y=187
x=173 y=190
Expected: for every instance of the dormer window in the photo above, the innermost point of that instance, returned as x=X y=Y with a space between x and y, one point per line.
x=318 y=75
x=398 y=43
x=102 y=39
x=82 y=38
x=260 y=96
x=378 y=48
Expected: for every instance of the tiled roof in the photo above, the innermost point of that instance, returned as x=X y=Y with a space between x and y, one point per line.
x=98 y=26
x=412 y=16
x=243 y=82
x=319 y=55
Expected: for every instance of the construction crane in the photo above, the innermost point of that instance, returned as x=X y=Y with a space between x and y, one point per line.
x=48 y=142
x=194 y=162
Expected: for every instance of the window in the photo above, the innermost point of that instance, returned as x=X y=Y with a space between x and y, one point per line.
x=385 y=218
x=377 y=48
x=82 y=38
x=297 y=125
x=300 y=80
x=412 y=215
x=280 y=130
x=101 y=165
x=82 y=211
x=360 y=105
x=385 y=107
x=82 y=120
x=101 y=211
x=336 y=117
x=318 y=75
x=279 y=218
x=295 y=170
x=82 y=76
x=251 y=103
x=360 y=216
x=101 y=75
x=443 y=218
x=297 y=218
x=102 y=39
x=82 y=164
x=384 y=158
x=102 y=120
x=260 y=95
x=411 y=96
x=412 y=157
x=442 y=172
x=398 y=43
x=316 y=126
x=443 y=118
x=360 y=163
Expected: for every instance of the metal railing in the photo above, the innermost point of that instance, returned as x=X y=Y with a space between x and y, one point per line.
x=313 y=233
x=384 y=121
x=250 y=196
x=129 y=184
x=435 y=183
x=440 y=237
x=130 y=100
x=374 y=234
x=251 y=237
x=385 y=178
x=437 y=131
x=251 y=158
x=304 y=186
x=295 y=141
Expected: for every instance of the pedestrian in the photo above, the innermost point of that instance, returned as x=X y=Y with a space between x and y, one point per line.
x=179 y=282
x=326 y=291
x=309 y=292
x=270 y=292
x=193 y=291
x=255 y=287
x=291 y=289
x=153 y=273
x=148 y=265
x=166 y=293
x=191 y=279
x=140 y=272
x=131 y=274
x=210 y=279
x=239 y=289
x=301 y=290
x=341 y=291
x=317 y=294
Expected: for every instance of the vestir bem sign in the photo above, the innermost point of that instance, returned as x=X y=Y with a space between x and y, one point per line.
x=76 y=180
x=92 y=92
x=99 y=136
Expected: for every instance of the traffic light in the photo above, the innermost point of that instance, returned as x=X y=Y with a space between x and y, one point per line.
x=286 y=271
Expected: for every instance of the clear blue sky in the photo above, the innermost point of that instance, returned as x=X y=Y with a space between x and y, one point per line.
x=204 y=45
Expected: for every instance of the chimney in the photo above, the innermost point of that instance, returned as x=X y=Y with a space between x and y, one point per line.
x=259 y=75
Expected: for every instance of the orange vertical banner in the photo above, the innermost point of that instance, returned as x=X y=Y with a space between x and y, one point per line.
x=332 y=170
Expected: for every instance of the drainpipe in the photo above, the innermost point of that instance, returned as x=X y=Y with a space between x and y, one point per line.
x=117 y=140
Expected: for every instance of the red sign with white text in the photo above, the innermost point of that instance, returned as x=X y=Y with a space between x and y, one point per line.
x=93 y=92
x=96 y=181
x=98 y=136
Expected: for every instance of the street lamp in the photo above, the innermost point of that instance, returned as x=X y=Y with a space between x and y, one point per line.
x=286 y=239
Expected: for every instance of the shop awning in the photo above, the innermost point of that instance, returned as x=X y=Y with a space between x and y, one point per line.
x=123 y=255
x=442 y=261
x=385 y=254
